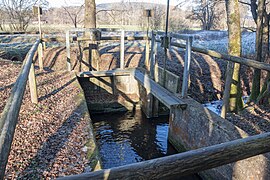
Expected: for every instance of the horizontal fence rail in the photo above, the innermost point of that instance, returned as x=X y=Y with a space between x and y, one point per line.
x=9 y=116
x=241 y=60
x=104 y=38
x=186 y=163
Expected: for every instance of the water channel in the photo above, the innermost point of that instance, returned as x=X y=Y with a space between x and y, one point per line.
x=129 y=137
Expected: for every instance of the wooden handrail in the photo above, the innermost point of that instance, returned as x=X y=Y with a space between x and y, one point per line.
x=241 y=60
x=104 y=38
x=186 y=163
x=11 y=111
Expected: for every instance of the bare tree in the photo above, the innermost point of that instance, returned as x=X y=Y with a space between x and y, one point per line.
x=3 y=16
x=19 y=12
x=75 y=14
x=206 y=11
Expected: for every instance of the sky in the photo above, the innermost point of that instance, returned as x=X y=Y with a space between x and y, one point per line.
x=59 y=3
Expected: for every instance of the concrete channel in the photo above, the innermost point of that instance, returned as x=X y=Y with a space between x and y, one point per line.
x=191 y=125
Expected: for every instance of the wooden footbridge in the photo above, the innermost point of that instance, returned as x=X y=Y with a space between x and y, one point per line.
x=211 y=153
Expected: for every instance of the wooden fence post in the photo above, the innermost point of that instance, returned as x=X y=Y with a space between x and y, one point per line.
x=147 y=51
x=40 y=56
x=153 y=55
x=122 y=50
x=33 y=85
x=44 y=46
x=154 y=102
x=226 y=96
x=186 y=67
x=68 y=51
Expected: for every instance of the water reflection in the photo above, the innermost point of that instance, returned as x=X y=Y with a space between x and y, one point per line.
x=125 y=138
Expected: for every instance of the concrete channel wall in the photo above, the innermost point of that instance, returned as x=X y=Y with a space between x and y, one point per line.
x=111 y=93
x=197 y=127
x=92 y=150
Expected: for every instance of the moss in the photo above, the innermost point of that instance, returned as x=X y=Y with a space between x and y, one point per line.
x=93 y=155
x=92 y=150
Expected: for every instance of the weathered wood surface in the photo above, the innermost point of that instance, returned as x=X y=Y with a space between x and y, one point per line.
x=172 y=81
x=153 y=55
x=11 y=111
x=186 y=76
x=128 y=38
x=33 y=85
x=115 y=72
x=179 y=36
x=146 y=55
x=105 y=38
x=40 y=55
x=122 y=50
x=162 y=94
x=68 y=51
x=173 y=35
x=186 y=163
x=241 y=60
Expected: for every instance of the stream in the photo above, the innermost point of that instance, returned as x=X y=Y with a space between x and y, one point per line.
x=129 y=137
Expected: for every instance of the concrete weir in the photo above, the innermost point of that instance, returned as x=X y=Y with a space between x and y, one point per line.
x=191 y=126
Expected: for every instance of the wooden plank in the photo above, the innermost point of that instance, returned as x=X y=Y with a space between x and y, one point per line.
x=146 y=54
x=122 y=50
x=179 y=36
x=105 y=38
x=68 y=51
x=186 y=163
x=116 y=72
x=33 y=85
x=186 y=68
x=128 y=38
x=172 y=87
x=162 y=94
x=153 y=55
x=40 y=56
x=11 y=111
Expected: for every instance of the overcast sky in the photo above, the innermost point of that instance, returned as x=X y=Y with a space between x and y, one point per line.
x=59 y=3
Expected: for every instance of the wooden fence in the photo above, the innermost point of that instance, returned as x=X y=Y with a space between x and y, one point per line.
x=229 y=58
x=167 y=167
x=9 y=116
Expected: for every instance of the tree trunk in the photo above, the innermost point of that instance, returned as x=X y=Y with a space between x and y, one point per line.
x=264 y=94
x=265 y=37
x=90 y=14
x=90 y=55
x=259 y=36
x=233 y=21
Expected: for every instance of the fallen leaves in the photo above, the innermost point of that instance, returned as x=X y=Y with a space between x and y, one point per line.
x=49 y=137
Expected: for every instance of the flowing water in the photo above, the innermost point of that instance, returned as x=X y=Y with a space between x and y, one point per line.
x=129 y=137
